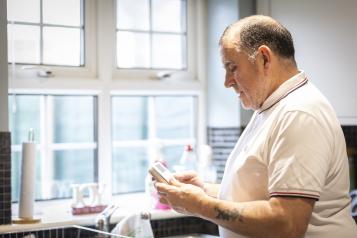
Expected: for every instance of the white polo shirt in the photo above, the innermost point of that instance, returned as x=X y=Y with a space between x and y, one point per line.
x=294 y=146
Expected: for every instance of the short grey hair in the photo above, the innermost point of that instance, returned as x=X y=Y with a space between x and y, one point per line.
x=251 y=32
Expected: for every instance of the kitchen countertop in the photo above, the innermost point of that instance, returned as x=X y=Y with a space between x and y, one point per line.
x=57 y=213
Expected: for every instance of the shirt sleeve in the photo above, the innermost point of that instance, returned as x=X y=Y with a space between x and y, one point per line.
x=299 y=156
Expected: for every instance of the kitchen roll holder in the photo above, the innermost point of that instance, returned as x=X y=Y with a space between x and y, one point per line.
x=27 y=182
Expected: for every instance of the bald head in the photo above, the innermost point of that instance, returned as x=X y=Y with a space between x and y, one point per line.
x=249 y=33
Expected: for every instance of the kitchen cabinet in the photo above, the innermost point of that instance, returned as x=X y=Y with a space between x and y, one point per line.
x=325 y=35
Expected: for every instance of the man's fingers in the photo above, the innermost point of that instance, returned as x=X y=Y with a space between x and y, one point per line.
x=165 y=188
x=175 y=182
x=187 y=175
x=163 y=201
x=162 y=194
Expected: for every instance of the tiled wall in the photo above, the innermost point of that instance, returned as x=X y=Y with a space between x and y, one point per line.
x=351 y=143
x=222 y=141
x=350 y=136
x=5 y=178
x=183 y=225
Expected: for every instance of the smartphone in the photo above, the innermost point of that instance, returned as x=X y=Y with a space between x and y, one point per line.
x=160 y=173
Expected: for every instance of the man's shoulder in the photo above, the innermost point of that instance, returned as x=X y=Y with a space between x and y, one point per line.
x=308 y=99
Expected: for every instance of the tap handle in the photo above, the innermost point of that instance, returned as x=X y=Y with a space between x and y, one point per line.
x=146 y=215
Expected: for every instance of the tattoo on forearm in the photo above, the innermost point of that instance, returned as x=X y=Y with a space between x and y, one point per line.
x=229 y=215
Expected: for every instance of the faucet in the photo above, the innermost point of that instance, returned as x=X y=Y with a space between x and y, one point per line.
x=102 y=221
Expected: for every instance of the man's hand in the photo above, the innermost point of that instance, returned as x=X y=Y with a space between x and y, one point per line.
x=189 y=177
x=182 y=197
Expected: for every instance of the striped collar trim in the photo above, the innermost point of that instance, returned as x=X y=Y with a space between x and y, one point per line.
x=283 y=91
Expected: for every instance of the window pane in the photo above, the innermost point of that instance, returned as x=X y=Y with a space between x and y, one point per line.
x=76 y=166
x=16 y=176
x=133 y=50
x=172 y=155
x=23 y=10
x=53 y=12
x=174 y=117
x=61 y=46
x=133 y=14
x=169 y=15
x=23 y=44
x=129 y=169
x=24 y=113
x=73 y=119
x=129 y=118
x=168 y=51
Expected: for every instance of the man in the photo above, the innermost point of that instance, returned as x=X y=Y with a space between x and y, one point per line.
x=288 y=174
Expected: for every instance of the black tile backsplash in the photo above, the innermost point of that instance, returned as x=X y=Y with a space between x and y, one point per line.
x=222 y=141
x=5 y=178
x=350 y=133
x=183 y=225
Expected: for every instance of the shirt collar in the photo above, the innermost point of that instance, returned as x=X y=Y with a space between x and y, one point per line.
x=284 y=90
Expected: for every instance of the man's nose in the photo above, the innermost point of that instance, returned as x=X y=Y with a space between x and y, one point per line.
x=229 y=81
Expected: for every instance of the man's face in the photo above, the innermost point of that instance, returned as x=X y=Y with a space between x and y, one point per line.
x=244 y=76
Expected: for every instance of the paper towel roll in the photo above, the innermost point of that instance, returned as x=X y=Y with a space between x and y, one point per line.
x=27 y=182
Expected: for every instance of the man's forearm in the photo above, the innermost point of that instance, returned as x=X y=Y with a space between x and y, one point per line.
x=253 y=219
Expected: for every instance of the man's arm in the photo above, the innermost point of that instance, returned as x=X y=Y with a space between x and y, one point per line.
x=277 y=217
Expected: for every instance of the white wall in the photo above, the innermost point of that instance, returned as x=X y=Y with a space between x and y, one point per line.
x=223 y=104
x=325 y=36
x=224 y=109
x=3 y=68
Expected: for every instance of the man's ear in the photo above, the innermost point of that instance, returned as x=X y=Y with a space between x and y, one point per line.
x=266 y=55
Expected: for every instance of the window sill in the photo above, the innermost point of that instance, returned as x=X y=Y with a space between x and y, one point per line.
x=58 y=213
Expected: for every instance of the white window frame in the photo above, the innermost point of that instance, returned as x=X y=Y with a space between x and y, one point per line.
x=190 y=73
x=98 y=77
x=20 y=72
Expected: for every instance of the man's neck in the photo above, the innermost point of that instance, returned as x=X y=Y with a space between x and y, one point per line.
x=280 y=76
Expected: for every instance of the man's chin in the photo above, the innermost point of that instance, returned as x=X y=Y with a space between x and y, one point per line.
x=246 y=107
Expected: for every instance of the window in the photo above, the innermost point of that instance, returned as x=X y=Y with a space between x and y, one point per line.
x=66 y=138
x=138 y=123
x=151 y=34
x=99 y=114
x=39 y=32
